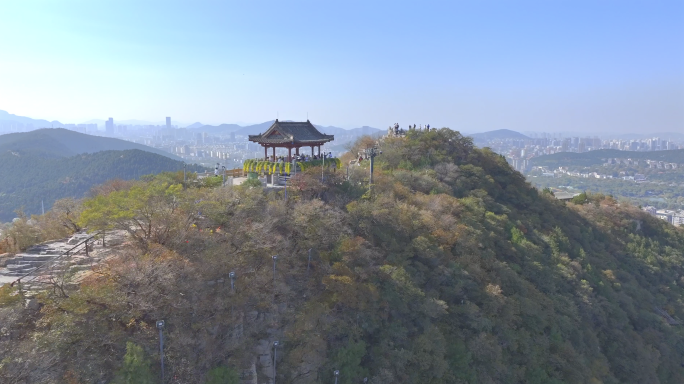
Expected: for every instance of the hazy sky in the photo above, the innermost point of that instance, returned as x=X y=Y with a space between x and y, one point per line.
x=548 y=65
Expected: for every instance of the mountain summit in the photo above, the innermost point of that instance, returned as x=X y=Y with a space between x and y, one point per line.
x=449 y=269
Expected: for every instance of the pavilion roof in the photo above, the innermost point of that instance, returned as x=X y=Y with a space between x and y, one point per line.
x=291 y=132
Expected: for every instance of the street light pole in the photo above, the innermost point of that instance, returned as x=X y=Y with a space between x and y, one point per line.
x=160 y=326
x=232 y=281
x=275 y=258
x=275 y=350
x=337 y=374
x=308 y=265
x=371 y=153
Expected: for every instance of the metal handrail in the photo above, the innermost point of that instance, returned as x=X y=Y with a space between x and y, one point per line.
x=18 y=280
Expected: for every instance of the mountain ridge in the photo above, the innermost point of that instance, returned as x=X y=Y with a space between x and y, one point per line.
x=498 y=134
x=60 y=142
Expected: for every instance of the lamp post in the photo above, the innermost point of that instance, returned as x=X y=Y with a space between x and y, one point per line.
x=371 y=153
x=223 y=176
x=232 y=281
x=308 y=265
x=185 y=165
x=160 y=326
x=275 y=350
x=337 y=374
x=275 y=258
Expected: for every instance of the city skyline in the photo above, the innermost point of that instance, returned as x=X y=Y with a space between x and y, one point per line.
x=581 y=66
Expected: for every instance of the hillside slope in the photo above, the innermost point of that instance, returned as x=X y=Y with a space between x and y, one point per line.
x=28 y=179
x=452 y=270
x=61 y=142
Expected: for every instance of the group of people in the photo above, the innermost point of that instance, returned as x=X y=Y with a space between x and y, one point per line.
x=400 y=131
x=283 y=159
x=420 y=128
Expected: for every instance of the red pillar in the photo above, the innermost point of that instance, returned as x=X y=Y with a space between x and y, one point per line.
x=297 y=151
x=273 y=154
x=312 y=151
x=289 y=154
x=319 y=151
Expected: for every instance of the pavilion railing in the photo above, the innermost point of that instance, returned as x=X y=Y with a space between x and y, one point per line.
x=285 y=168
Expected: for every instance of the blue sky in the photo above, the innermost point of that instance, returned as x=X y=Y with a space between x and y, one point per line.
x=586 y=66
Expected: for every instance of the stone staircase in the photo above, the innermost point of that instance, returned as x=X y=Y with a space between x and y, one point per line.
x=49 y=259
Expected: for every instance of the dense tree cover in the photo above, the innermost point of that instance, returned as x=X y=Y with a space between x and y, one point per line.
x=29 y=178
x=661 y=195
x=662 y=189
x=452 y=269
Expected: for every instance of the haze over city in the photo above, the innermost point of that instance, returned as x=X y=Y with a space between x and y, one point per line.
x=580 y=66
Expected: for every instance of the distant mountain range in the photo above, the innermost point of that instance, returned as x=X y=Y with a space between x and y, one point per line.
x=253 y=129
x=6 y=117
x=61 y=142
x=342 y=136
x=499 y=134
x=195 y=125
x=262 y=127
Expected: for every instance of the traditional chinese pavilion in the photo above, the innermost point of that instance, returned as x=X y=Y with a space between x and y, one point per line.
x=291 y=134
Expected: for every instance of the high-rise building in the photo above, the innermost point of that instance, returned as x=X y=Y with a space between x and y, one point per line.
x=168 y=122
x=566 y=144
x=581 y=148
x=109 y=126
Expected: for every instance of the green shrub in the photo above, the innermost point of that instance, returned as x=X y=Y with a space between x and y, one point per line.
x=136 y=367
x=580 y=199
x=252 y=183
x=223 y=375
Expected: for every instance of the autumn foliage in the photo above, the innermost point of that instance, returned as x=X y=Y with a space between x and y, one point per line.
x=450 y=269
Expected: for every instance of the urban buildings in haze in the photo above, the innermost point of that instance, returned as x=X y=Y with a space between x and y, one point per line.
x=109 y=126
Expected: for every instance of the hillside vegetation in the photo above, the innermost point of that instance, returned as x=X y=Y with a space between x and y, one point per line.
x=29 y=177
x=451 y=270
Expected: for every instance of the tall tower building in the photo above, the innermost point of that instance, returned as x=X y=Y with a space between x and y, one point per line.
x=109 y=126
x=168 y=122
